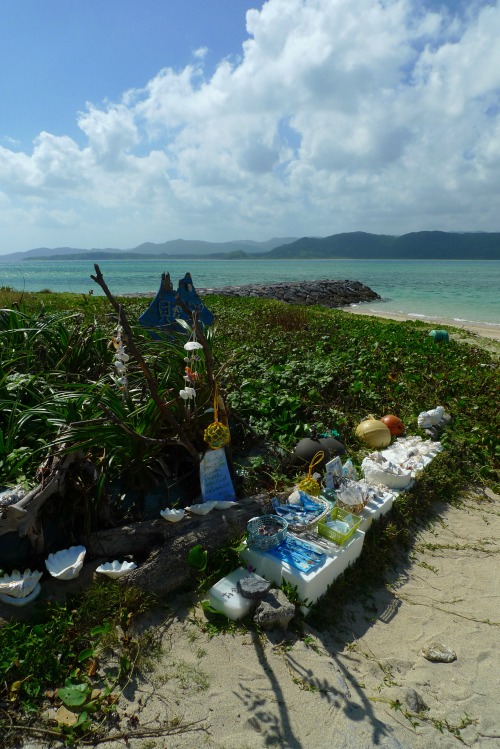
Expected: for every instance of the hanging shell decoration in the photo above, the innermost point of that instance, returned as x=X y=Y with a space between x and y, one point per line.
x=67 y=563
x=19 y=588
x=309 y=485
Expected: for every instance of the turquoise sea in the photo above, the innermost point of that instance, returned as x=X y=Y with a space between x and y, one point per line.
x=459 y=291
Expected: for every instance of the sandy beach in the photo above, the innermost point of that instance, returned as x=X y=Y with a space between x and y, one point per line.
x=476 y=329
x=359 y=684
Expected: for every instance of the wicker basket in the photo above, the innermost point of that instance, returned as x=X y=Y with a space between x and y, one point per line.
x=353 y=521
x=298 y=528
x=266 y=532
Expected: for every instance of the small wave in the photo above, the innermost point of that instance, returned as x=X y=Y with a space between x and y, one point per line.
x=477 y=322
x=413 y=314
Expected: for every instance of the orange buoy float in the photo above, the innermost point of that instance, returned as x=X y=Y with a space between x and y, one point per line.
x=396 y=426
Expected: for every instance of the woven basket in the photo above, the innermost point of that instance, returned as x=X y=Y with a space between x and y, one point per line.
x=266 y=532
x=297 y=528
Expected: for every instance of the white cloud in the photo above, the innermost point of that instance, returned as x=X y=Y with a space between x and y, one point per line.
x=340 y=115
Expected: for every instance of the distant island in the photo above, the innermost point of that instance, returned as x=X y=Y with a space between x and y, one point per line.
x=358 y=245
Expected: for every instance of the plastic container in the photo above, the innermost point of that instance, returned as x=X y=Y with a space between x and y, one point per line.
x=439 y=335
x=225 y=597
x=348 y=520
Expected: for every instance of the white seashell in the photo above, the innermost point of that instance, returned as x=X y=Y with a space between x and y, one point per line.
x=201 y=509
x=19 y=585
x=173 y=516
x=67 y=563
x=116 y=568
x=223 y=504
x=13 y=601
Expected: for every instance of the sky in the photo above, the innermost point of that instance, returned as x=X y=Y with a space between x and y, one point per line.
x=131 y=121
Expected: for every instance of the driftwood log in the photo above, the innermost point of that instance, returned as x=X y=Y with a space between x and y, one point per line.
x=22 y=517
x=166 y=569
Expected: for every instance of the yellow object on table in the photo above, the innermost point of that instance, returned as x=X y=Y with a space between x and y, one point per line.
x=217 y=434
x=309 y=484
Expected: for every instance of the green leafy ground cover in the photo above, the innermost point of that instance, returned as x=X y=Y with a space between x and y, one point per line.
x=281 y=369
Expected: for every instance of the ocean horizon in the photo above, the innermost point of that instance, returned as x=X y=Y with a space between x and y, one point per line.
x=461 y=291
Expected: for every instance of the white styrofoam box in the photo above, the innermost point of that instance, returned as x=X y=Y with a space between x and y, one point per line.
x=376 y=507
x=310 y=585
x=225 y=597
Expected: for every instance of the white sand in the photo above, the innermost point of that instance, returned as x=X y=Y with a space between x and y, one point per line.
x=341 y=689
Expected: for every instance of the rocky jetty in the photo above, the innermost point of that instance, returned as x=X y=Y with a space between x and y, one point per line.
x=327 y=293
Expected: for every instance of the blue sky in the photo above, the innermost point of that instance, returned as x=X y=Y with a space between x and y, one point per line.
x=124 y=121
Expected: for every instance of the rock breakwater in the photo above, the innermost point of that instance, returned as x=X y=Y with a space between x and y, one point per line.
x=327 y=292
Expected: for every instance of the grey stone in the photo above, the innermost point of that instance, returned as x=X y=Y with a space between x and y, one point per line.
x=274 y=611
x=253 y=587
x=415 y=701
x=436 y=652
x=328 y=293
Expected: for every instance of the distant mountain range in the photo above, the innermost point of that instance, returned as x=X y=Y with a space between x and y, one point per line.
x=173 y=248
x=423 y=245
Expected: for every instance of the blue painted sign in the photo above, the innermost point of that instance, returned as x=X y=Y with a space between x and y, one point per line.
x=164 y=311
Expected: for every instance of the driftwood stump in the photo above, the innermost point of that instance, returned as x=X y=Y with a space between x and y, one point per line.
x=166 y=569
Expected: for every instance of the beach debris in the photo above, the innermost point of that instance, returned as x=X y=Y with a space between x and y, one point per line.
x=378 y=471
x=394 y=423
x=254 y=588
x=439 y=335
x=415 y=701
x=374 y=432
x=116 y=569
x=274 y=611
x=67 y=563
x=436 y=652
x=305 y=450
x=310 y=483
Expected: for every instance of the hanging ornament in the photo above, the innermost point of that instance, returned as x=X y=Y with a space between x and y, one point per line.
x=309 y=483
x=121 y=358
x=217 y=434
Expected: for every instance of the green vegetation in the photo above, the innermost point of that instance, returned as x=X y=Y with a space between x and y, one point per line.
x=282 y=370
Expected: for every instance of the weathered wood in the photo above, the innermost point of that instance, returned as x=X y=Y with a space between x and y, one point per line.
x=166 y=569
x=22 y=517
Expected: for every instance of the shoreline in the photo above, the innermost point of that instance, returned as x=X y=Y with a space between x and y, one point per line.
x=483 y=330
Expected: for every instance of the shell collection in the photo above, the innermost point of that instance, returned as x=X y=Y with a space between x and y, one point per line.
x=67 y=563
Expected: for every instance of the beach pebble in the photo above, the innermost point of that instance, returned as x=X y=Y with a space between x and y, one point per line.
x=274 y=611
x=415 y=701
x=436 y=652
x=253 y=587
